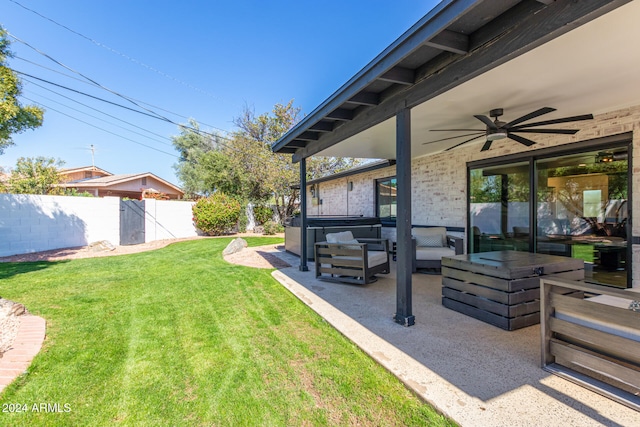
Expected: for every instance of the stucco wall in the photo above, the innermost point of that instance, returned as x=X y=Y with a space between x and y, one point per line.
x=439 y=181
x=31 y=223
x=168 y=220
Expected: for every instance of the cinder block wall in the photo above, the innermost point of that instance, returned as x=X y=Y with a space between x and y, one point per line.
x=439 y=181
x=168 y=220
x=30 y=223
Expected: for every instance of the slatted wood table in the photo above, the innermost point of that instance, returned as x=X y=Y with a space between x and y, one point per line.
x=503 y=287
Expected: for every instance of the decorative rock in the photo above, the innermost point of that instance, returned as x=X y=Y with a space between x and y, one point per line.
x=18 y=309
x=236 y=245
x=101 y=246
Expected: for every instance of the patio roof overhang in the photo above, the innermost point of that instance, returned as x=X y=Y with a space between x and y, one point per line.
x=467 y=57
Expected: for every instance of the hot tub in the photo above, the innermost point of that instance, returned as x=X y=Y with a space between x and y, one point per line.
x=319 y=227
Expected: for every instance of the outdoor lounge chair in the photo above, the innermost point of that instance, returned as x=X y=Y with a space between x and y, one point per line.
x=430 y=244
x=345 y=259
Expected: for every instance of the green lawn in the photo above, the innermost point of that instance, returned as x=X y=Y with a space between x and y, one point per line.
x=178 y=336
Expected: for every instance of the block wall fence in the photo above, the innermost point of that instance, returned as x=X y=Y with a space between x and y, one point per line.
x=439 y=187
x=33 y=223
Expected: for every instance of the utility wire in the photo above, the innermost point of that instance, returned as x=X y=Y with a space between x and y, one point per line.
x=216 y=137
x=89 y=79
x=179 y=125
x=95 y=109
x=102 y=129
x=97 y=43
x=137 y=100
x=98 y=118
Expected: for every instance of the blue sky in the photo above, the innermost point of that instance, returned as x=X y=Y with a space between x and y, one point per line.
x=204 y=60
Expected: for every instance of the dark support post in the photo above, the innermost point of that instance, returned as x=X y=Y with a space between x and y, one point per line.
x=303 y=215
x=404 y=314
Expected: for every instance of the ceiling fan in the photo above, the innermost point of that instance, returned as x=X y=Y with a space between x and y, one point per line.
x=496 y=129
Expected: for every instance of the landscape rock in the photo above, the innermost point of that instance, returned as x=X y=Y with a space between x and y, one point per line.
x=9 y=322
x=235 y=246
x=101 y=246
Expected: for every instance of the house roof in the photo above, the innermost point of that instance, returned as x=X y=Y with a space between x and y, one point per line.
x=466 y=57
x=68 y=171
x=106 y=181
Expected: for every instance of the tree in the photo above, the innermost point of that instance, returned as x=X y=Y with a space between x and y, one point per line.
x=35 y=176
x=243 y=165
x=14 y=118
x=274 y=175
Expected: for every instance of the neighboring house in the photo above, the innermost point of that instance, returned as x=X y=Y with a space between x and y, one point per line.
x=101 y=183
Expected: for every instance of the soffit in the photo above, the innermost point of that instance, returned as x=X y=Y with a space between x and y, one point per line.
x=591 y=69
x=574 y=73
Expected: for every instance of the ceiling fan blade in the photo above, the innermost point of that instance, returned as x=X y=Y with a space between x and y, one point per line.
x=487 y=121
x=529 y=116
x=521 y=140
x=456 y=130
x=479 y=133
x=486 y=145
x=556 y=121
x=463 y=142
x=556 y=131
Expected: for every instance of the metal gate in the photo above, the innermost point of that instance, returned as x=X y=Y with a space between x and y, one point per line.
x=131 y=222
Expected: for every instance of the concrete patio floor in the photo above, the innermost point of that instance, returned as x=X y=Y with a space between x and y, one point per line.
x=475 y=373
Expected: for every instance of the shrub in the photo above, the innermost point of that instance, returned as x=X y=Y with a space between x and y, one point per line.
x=216 y=215
x=262 y=214
x=271 y=228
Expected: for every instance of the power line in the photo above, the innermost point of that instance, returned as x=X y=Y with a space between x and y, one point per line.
x=89 y=95
x=195 y=130
x=137 y=100
x=89 y=79
x=95 y=109
x=98 y=118
x=97 y=43
x=179 y=125
x=102 y=129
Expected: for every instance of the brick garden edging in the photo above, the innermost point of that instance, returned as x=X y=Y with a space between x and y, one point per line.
x=26 y=345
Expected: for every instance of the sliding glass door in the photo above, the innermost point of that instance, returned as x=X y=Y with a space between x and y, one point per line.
x=499 y=208
x=576 y=204
x=582 y=212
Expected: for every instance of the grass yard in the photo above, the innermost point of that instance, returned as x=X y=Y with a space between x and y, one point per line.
x=177 y=336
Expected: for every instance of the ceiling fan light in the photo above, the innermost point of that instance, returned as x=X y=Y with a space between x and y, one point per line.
x=495 y=135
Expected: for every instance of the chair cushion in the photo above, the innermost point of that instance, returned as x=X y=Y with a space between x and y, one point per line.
x=353 y=244
x=374 y=258
x=433 y=254
x=434 y=241
x=430 y=231
x=343 y=236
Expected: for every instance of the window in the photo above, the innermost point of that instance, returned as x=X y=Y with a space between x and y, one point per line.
x=144 y=181
x=386 y=204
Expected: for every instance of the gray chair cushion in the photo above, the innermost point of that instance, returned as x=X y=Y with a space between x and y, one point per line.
x=433 y=254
